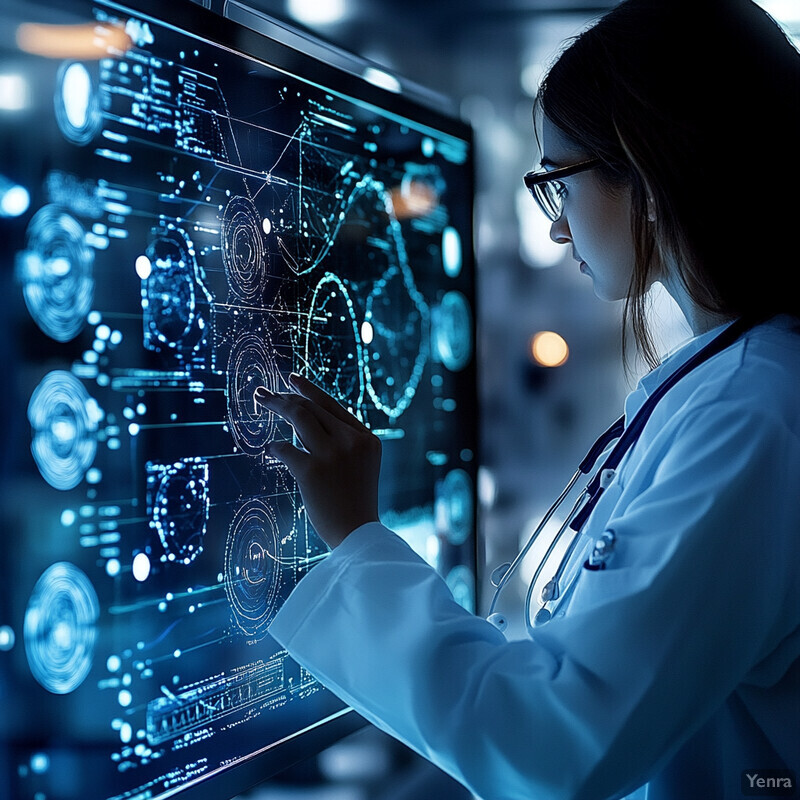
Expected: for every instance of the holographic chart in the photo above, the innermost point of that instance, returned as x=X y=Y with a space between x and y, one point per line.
x=189 y=212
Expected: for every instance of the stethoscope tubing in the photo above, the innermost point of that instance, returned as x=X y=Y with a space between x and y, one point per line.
x=626 y=437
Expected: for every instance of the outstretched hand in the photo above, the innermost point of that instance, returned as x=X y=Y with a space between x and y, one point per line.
x=338 y=469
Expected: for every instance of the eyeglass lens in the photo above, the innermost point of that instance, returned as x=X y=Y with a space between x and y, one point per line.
x=548 y=194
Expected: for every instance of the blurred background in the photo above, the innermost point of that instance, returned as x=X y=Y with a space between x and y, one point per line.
x=543 y=399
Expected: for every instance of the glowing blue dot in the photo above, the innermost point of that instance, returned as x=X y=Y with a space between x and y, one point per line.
x=40 y=763
x=113 y=444
x=14 y=201
x=93 y=318
x=133 y=429
x=428 y=147
x=68 y=517
x=141 y=408
x=141 y=567
x=177 y=653
x=367 y=332
x=143 y=267
x=113 y=663
x=112 y=567
x=125 y=698
x=7 y=638
x=116 y=337
x=103 y=332
x=125 y=733
x=94 y=475
x=451 y=252
x=91 y=357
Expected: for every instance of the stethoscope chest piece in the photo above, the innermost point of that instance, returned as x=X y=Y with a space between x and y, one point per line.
x=603 y=550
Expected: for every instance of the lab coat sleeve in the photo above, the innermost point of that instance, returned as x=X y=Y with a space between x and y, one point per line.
x=699 y=590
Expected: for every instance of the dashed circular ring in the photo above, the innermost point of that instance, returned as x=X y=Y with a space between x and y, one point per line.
x=252 y=567
x=250 y=365
x=243 y=250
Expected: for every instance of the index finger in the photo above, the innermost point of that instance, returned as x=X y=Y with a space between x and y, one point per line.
x=324 y=400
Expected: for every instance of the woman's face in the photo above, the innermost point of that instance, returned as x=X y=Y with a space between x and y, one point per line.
x=596 y=220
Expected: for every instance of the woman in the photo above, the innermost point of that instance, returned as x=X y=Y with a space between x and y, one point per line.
x=676 y=126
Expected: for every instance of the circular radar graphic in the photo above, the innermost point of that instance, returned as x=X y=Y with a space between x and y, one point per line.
x=399 y=321
x=59 y=628
x=251 y=364
x=454 y=506
x=334 y=355
x=179 y=502
x=243 y=251
x=56 y=273
x=452 y=331
x=64 y=421
x=252 y=569
x=172 y=320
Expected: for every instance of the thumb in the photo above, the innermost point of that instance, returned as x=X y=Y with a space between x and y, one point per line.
x=294 y=459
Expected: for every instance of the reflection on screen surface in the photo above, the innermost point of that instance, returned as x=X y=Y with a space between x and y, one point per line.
x=184 y=222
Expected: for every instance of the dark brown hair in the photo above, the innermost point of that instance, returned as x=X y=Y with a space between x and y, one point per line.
x=696 y=105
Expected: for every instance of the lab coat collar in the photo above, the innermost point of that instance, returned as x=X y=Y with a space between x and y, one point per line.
x=671 y=362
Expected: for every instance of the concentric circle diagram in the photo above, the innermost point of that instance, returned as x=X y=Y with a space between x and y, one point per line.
x=170 y=297
x=60 y=628
x=243 y=250
x=251 y=364
x=454 y=506
x=179 y=502
x=64 y=421
x=399 y=320
x=334 y=355
x=252 y=570
x=452 y=331
x=56 y=273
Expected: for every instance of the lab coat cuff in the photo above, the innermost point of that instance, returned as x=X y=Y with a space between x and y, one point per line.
x=313 y=589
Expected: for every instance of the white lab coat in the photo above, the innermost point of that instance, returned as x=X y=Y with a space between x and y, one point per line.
x=679 y=664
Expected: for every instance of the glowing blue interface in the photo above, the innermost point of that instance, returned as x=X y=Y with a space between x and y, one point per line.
x=182 y=222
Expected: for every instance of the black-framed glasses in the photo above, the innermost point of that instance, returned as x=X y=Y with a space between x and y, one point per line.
x=547 y=189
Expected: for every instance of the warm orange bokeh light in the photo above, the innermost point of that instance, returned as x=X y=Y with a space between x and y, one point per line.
x=549 y=349
x=414 y=199
x=87 y=41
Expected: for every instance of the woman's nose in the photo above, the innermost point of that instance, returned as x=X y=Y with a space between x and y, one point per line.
x=560 y=232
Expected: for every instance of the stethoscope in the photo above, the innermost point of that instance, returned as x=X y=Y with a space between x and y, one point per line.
x=603 y=548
